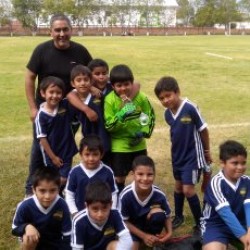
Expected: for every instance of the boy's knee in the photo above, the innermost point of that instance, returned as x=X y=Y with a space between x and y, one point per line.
x=189 y=190
x=156 y=220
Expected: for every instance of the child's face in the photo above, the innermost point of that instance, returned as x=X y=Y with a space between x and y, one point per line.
x=123 y=88
x=82 y=84
x=100 y=77
x=46 y=192
x=170 y=99
x=234 y=167
x=99 y=212
x=91 y=159
x=53 y=95
x=144 y=178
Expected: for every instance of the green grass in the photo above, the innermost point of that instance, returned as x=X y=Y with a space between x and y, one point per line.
x=219 y=86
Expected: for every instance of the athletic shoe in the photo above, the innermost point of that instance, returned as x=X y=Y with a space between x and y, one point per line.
x=177 y=221
x=197 y=231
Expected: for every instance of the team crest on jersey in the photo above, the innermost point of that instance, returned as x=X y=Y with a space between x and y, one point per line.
x=155 y=206
x=97 y=101
x=109 y=231
x=243 y=191
x=186 y=119
x=61 y=111
x=58 y=215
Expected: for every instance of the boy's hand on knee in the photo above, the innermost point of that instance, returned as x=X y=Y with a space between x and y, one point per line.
x=31 y=235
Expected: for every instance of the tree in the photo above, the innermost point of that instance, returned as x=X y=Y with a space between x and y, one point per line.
x=185 y=11
x=244 y=6
x=217 y=11
x=27 y=12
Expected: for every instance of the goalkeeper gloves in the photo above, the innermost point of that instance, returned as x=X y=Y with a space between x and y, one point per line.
x=125 y=111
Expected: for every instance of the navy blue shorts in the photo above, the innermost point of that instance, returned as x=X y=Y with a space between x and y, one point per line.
x=187 y=176
x=220 y=234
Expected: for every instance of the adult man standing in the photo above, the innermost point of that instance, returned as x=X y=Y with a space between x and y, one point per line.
x=55 y=57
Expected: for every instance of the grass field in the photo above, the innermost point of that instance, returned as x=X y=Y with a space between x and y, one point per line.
x=213 y=71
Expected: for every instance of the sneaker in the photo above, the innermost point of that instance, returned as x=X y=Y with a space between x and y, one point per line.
x=197 y=231
x=177 y=221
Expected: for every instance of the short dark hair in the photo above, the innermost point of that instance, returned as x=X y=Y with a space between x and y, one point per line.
x=46 y=174
x=92 y=142
x=97 y=63
x=80 y=70
x=59 y=16
x=166 y=83
x=98 y=191
x=143 y=160
x=52 y=80
x=121 y=73
x=231 y=148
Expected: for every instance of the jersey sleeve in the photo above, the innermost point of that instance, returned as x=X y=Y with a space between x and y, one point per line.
x=123 y=206
x=78 y=231
x=66 y=227
x=70 y=191
x=19 y=221
x=41 y=124
x=197 y=118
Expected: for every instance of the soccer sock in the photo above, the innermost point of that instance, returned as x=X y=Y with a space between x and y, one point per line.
x=179 y=203
x=195 y=207
x=120 y=186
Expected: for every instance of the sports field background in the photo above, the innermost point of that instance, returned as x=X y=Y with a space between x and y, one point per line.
x=213 y=71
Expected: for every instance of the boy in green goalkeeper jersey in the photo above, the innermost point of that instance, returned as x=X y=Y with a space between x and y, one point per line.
x=129 y=119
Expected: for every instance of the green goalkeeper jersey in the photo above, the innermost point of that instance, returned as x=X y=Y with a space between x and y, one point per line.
x=124 y=133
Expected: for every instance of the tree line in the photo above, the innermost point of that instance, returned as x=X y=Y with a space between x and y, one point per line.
x=199 y=13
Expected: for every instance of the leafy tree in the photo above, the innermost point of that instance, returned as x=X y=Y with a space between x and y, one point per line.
x=27 y=12
x=185 y=11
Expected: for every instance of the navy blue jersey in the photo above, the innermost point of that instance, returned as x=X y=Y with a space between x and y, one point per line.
x=79 y=177
x=97 y=127
x=56 y=128
x=221 y=193
x=53 y=223
x=90 y=236
x=135 y=211
x=185 y=127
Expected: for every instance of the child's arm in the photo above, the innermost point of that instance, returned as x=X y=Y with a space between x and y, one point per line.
x=148 y=239
x=57 y=161
x=206 y=147
x=124 y=241
x=76 y=102
x=31 y=235
x=168 y=231
x=70 y=199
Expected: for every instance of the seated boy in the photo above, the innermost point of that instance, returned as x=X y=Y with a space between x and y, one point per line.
x=91 y=168
x=226 y=213
x=43 y=220
x=98 y=227
x=144 y=206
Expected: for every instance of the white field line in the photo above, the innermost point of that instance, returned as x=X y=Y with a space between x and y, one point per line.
x=212 y=126
x=218 y=55
x=156 y=130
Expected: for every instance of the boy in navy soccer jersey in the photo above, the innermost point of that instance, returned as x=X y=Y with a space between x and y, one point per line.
x=81 y=80
x=43 y=220
x=53 y=127
x=190 y=147
x=144 y=206
x=90 y=169
x=98 y=227
x=226 y=213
